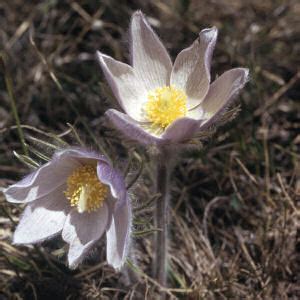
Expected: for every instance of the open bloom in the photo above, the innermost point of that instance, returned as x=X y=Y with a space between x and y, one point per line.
x=79 y=195
x=167 y=103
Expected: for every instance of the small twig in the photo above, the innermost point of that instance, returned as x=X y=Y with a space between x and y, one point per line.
x=50 y=135
x=45 y=256
x=9 y=87
x=251 y=177
x=238 y=194
x=44 y=143
x=145 y=232
x=61 y=90
x=181 y=198
x=207 y=210
x=8 y=215
x=128 y=165
x=39 y=154
x=156 y=283
x=139 y=171
x=267 y=166
x=76 y=134
x=248 y=256
x=275 y=97
x=34 y=293
x=26 y=160
x=16 y=270
x=287 y=197
x=148 y=203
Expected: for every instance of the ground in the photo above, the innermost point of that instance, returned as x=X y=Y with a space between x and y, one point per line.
x=234 y=215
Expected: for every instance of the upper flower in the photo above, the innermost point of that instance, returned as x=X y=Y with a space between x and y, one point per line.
x=79 y=195
x=167 y=103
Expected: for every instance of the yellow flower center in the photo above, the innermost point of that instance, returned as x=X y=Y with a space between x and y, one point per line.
x=85 y=190
x=165 y=105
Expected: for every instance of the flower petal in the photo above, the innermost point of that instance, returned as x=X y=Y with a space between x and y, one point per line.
x=196 y=113
x=130 y=128
x=221 y=94
x=80 y=154
x=191 y=70
x=126 y=87
x=114 y=179
x=150 y=59
x=118 y=235
x=41 y=182
x=42 y=219
x=81 y=231
x=180 y=130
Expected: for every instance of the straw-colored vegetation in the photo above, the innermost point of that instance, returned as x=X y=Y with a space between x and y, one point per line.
x=235 y=216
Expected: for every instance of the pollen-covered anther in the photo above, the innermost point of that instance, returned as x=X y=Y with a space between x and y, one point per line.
x=84 y=189
x=165 y=105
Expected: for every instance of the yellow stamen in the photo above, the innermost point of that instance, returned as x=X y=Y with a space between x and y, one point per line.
x=165 y=105
x=85 y=190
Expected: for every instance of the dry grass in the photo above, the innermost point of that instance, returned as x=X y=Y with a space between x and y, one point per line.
x=235 y=218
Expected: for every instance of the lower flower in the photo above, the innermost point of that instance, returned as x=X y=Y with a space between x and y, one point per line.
x=80 y=196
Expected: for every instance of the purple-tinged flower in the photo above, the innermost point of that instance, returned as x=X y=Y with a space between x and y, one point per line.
x=79 y=195
x=164 y=102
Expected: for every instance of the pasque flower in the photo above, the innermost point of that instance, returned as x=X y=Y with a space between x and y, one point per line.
x=80 y=195
x=164 y=102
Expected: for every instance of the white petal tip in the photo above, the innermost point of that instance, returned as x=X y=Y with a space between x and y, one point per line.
x=72 y=265
x=209 y=33
x=98 y=54
x=100 y=57
x=244 y=75
x=139 y=17
x=138 y=14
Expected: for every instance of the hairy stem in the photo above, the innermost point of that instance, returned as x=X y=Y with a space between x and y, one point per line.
x=161 y=220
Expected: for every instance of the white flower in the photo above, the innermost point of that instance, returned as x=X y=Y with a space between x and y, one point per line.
x=78 y=194
x=167 y=103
